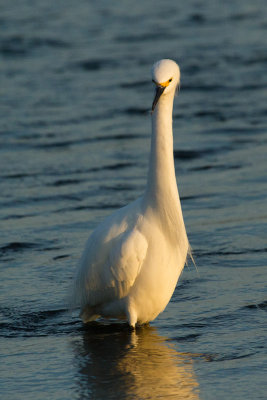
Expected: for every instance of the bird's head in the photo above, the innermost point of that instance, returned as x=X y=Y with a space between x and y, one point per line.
x=166 y=77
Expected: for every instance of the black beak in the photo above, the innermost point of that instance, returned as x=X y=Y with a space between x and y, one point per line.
x=159 y=91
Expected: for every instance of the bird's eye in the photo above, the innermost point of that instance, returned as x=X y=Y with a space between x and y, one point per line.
x=170 y=80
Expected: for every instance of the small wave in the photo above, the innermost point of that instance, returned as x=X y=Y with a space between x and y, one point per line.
x=220 y=167
x=41 y=199
x=259 y=306
x=187 y=338
x=186 y=154
x=197 y=18
x=198 y=196
x=96 y=64
x=194 y=154
x=98 y=206
x=118 y=187
x=244 y=16
x=30 y=324
x=62 y=144
x=214 y=114
x=119 y=137
x=145 y=37
x=118 y=166
x=115 y=166
x=229 y=356
x=18 y=45
x=136 y=84
x=258 y=59
x=20 y=175
x=204 y=88
x=18 y=247
x=69 y=143
x=18 y=216
x=61 y=256
x=65 y=182
x=200 y=253
x=54 y=145
x=136 y=111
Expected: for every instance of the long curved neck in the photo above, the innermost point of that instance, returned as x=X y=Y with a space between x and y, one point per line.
x=161 y=182
x=161 y=196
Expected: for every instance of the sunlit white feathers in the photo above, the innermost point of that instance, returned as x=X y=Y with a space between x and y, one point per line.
x=133 y=259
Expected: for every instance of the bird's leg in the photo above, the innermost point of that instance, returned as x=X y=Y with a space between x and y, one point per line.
x=131 y=315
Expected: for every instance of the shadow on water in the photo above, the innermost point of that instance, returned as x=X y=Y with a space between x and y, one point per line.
x=115 y=363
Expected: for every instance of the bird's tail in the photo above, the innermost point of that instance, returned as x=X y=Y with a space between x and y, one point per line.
x=190 y=255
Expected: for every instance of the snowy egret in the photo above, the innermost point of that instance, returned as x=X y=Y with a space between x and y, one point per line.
x=133 y=259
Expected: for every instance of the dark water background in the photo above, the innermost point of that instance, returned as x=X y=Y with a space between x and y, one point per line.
x=74 y=92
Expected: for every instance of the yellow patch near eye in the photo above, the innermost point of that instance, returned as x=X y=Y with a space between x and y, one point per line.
x=165 y=84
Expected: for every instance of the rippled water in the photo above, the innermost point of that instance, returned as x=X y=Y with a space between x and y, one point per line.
x=75 y=130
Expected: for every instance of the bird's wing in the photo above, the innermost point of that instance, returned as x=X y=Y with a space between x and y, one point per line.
x=110 y=267
x=125 y=261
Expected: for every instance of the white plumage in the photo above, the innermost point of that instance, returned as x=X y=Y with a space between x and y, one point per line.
x=133 y=259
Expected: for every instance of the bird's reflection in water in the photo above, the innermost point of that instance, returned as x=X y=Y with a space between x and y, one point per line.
x=115 y=363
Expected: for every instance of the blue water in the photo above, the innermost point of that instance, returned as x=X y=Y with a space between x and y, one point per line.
x=75 y=92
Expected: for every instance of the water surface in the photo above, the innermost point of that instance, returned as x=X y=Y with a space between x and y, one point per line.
x=75 y=130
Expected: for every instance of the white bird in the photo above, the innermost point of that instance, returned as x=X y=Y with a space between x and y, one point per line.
x=133 y=259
